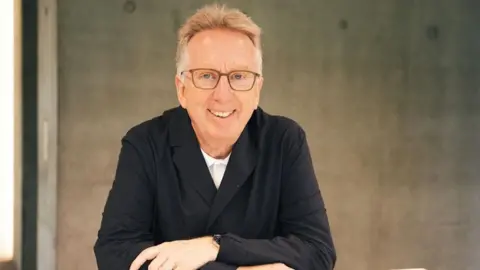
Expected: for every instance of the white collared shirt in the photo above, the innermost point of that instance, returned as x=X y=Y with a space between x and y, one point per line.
x=216 y=167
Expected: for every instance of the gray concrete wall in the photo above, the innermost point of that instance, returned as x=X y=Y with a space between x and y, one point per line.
x=388 y=91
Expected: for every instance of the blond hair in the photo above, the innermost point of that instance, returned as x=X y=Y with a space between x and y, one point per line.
x=216 y=17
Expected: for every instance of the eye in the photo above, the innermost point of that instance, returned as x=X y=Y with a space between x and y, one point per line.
x=239 y=75
x=206 y=75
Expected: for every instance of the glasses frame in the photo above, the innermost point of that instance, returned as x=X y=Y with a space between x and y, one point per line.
x=221 y=74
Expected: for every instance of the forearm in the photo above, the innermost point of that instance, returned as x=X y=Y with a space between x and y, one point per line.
x=218 y=266
x=125 y=228
x=291 y=250
x=118 y=255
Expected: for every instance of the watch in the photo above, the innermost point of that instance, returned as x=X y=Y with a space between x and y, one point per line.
x=217 y=238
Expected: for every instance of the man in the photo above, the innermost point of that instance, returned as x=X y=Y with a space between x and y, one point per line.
x=216 y=183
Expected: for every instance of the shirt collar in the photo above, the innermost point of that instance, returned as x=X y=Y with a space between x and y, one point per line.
x=211 y=161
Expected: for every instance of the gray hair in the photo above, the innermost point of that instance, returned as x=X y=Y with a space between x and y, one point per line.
x=213 y=17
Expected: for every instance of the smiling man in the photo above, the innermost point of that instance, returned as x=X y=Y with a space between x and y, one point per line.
x=216 y=183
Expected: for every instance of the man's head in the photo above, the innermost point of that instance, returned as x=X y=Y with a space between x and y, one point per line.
x=215 y=41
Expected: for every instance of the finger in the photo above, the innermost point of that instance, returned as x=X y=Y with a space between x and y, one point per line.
x=280 y=266
x=147 y=254
x=183 y=267
x=169 y=264
x=186 y=265
x=179 y=267
x=284 y=267
x=157 y=262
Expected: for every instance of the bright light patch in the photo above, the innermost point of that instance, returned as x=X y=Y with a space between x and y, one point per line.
x=6 y=128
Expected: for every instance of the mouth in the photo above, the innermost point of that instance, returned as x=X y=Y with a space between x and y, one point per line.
x=222 y=114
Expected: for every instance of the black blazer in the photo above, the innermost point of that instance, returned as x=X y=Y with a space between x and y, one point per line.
x=268 y=206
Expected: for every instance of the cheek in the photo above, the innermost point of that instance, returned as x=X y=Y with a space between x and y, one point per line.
x=248 y=102
x=196 y=98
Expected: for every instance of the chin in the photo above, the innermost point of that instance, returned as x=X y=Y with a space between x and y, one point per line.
x=225 y=135
x=217 y=134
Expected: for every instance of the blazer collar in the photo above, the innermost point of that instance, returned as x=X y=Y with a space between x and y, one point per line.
x=239 y=169
x=193 y=169
x=180 y=128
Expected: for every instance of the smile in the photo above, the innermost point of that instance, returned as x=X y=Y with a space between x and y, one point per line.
x=221 y=114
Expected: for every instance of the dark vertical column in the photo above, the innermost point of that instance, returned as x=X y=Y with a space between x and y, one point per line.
x=29 y=133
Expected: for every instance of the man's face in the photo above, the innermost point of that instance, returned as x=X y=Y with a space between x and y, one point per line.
x=220 y=113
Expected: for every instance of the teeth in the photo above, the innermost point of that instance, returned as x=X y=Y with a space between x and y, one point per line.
x=222 y=114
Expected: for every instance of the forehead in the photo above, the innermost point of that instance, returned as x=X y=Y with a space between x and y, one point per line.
x=222 y=49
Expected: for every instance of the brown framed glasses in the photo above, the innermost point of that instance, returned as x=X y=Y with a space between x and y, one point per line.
x=207 y=79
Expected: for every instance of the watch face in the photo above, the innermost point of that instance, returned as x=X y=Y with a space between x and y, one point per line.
x=217 y=238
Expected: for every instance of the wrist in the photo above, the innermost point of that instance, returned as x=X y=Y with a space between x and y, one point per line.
x=213 y=248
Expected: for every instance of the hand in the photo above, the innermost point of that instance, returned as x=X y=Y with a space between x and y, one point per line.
x=178 y=255
x=273 y=266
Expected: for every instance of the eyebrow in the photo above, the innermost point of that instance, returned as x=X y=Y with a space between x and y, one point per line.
x=229 y=70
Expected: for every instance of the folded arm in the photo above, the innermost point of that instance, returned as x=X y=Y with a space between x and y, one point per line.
x=218 y=266
x=127 y=218
x=305 y=242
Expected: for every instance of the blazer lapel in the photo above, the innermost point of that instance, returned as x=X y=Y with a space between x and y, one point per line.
x=240 y=166
x=187 y=157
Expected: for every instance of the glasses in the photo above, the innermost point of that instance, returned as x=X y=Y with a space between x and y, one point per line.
x=207 y=79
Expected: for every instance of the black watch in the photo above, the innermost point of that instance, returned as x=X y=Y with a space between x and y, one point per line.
x=217 y=238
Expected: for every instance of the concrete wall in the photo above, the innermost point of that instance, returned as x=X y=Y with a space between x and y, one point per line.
x=388 y=92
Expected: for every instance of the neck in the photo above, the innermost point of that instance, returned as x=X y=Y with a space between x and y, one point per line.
x=214 y=148
x=216 y=151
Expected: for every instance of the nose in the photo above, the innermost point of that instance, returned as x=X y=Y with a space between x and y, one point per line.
x=223 y=91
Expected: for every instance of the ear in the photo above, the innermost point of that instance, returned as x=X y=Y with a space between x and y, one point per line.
x=180 y=85
x=258 y=89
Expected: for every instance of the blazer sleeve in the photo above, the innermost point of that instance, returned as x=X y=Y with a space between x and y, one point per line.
x=305 y=241
x=218 y=266
x=125 y=229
